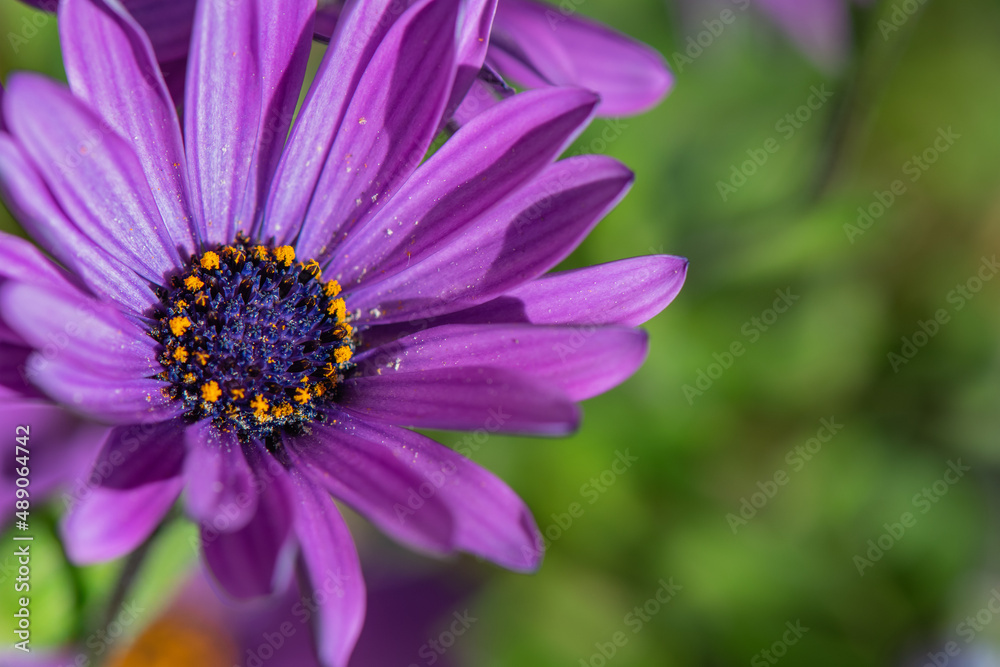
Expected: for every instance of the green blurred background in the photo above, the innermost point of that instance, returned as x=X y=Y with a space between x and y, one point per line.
x=857 y=296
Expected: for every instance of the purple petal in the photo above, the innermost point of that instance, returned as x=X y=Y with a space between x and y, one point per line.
x=583 y=361
x=818 y=27
x=627 y=293
x=478 y=99
x=219 y=484
x=489 y=520
x=36 y=210
x=519 y=239
x=14 y=366
x=74 y=330
x=113 y=400
x=110 y=65
x=135 y=455
x=348 y=458
x=168 y=25
x=474 y=40
x=109 y=523
x=394 y=113
x=247 y=63
x=361 y=26
x=93 y=173
x=486 y=160
x=252 y=561
x=462 y=399
x=331 y=563
x=536 y=44
x=21 y=261
x=62 y=447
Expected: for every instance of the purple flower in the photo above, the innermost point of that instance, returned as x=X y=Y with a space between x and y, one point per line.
x=256 y=319
x=424 y=609
x=537 y=44
x=534 y=43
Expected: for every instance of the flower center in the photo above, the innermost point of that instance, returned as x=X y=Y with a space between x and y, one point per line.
x=252 y=339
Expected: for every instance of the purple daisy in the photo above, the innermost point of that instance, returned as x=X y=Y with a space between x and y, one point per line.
x=255 y=320
x=534 y=43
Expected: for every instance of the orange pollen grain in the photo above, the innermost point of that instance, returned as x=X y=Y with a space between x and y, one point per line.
x=209 y=260
x=283 y=410
x=178 y=325
x=342 y=354
x=302 y=395
x=193 y=283
x=337 y=308
x=285 y=254
x=210 y=391
x=259 y=405
x=331 y=288
x=181 y=355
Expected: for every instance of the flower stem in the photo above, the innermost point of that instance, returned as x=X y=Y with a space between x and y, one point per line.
x=125 y=580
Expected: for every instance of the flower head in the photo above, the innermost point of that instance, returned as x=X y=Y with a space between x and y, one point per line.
x=256 y=320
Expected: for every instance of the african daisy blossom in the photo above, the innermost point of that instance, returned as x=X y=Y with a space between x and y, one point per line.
x=254 y=321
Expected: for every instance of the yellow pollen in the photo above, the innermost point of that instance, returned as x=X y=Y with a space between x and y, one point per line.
x=181 y=303
x=283 y=410
x=210 y=391
x=181 y=355
x=237 y=393
x=342 y=354
x=202 y=357
x=331 y=288
x=329 y=370
x=201 y=299
x=235 y=253
x=179 y=325
x=312 y=266
x=285 y=254
x=302 y=395
x=338 y=308
x=318 y=389
x=189 y=378
x=259 y=252
x=193 y=283
x=259 y=405
x=348 y=329
x=209 y=260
